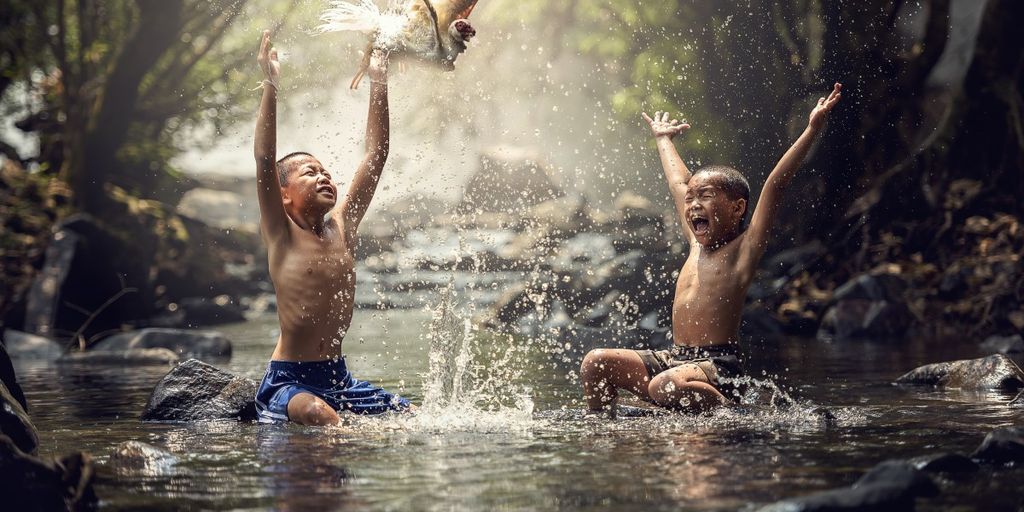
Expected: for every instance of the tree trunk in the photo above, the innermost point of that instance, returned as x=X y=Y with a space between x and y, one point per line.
x=158 y=26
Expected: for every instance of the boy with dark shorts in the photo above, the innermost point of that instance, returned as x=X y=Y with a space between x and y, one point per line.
x=700 y=371
x=310 y=240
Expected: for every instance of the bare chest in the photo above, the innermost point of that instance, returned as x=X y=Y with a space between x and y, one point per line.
x=314 y=262
x=710 y=278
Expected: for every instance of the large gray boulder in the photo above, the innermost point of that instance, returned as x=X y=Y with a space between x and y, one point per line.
x=196 y=391
x=185 y=343
x=1002 y=446
x=992 y=372
x=25 y=346
x=28 y=482
x=891 y=485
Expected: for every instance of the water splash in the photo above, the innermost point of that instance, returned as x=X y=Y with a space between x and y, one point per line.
x=461 y=391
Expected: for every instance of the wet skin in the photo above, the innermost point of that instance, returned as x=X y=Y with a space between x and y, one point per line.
x=310 y=234
x=313 y=271
x=713 y=282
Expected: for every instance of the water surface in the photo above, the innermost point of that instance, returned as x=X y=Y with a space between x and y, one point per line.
x=512 y=439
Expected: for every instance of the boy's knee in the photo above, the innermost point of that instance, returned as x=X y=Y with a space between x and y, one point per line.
x=313 y=412
x=593 y=361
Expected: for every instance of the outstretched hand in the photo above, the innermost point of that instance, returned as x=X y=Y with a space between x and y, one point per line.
x=824 y=106
x=267 y=58
x=378 y=69
x=662 y=127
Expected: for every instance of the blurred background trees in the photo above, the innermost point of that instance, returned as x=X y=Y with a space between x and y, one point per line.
x=919 y=169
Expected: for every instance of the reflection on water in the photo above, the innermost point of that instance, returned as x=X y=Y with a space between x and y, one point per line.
x=500 y=428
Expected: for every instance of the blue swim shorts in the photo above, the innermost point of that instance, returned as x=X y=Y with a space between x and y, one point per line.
x=328 y=380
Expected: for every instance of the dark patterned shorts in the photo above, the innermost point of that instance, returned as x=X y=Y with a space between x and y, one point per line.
x=716 y=361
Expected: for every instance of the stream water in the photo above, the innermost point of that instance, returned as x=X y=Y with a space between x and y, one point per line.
x=500 y=429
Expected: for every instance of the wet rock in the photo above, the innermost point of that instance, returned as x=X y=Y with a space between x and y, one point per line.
x=185 y=343
x=195 y=391
x=15 y=423
x=10 y=379
x=891 y=485
x=28 y=482
x=867 y=306
x=127 y=357
x=1003 y=344
x=141 y=458
x=22 y=345
x=992 y=372
x=944 y=463
x=14 y=420
x=1002 y=446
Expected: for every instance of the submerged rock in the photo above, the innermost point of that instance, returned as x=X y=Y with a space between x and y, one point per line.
x=944 y=463
x=1001 y=446
x=1003 y=344
x=28 y=482
x=891 y=485
x=195 y=391
x=139 y=457
x=184 y=343
x=22 y=345
x=130 y=357
x=992 y=372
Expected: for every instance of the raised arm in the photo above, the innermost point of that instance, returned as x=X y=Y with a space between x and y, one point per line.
x=764 y=215
x=676 y=172
x=364 y=183
x=273 y=219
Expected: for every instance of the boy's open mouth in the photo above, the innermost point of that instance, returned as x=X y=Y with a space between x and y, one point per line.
x=700 y=224
x=325 y=189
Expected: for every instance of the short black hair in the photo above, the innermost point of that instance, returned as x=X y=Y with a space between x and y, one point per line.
x=731 y=181
x=282 y=170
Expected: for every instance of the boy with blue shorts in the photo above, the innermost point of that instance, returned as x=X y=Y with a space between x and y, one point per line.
x=310 y=241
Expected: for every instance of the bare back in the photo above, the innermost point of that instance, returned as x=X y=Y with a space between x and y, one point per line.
x=314 y=279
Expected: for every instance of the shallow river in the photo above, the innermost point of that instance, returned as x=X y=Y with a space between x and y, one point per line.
x=512 y=439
